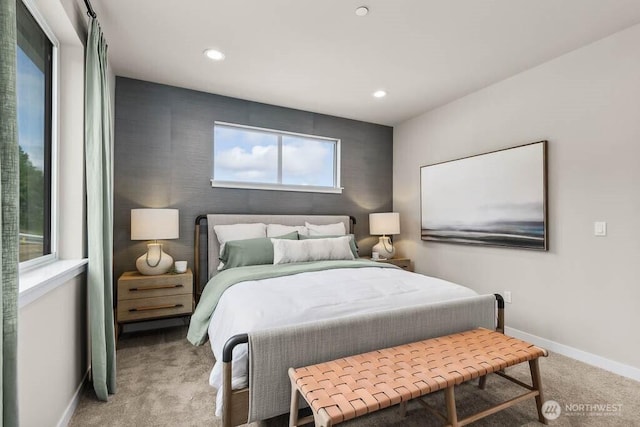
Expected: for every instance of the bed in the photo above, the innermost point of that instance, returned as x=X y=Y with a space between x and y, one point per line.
x=261 y=320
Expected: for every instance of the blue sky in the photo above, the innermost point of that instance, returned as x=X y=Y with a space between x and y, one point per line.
x=251 y=156
x=30 y=82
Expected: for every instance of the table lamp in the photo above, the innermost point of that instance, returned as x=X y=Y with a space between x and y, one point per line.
x=383 y=224
x=154 y=224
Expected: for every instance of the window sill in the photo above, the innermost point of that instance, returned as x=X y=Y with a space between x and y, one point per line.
x=36 y=282
x=276 y=187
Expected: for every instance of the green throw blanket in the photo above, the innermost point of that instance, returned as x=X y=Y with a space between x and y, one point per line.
x=197 y=334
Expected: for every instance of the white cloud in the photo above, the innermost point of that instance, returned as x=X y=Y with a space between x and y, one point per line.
x=238 y=164
x=305 y=159
x=260 y=157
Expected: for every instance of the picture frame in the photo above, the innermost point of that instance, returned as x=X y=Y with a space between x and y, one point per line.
x=497 y=198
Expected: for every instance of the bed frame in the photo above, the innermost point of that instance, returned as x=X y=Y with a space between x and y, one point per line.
x=236 y=403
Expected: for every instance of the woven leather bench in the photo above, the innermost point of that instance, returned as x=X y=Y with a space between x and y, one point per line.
x=350 y=387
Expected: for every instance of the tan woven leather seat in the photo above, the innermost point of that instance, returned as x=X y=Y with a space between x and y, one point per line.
x=347 y=388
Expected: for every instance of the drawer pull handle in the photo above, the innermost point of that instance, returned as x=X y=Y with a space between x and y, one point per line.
x=156 y=307
x=152 y=288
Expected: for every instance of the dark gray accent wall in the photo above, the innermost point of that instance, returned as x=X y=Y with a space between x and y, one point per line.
x=163 y=159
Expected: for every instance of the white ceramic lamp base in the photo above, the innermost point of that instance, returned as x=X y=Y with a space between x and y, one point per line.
x=155 y=261
x=384 y=247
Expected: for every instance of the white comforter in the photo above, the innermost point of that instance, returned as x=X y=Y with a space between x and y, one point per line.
x=261 y=304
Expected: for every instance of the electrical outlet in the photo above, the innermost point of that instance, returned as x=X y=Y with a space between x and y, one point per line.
x=507 y=296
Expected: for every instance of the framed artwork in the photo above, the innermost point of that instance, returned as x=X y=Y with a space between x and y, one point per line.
x=493 y=199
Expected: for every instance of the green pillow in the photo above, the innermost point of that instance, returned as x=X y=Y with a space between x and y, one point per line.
x=352 y=241
x=240 y=253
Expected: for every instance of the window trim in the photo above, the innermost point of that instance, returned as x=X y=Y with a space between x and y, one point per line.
x=336 y=189
x=53 y=191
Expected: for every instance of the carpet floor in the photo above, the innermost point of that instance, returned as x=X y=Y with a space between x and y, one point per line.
x=163 y=381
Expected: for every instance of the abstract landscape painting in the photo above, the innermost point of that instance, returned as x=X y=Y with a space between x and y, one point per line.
x=493 y=199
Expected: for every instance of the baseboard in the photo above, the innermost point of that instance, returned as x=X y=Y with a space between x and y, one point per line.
x=574 y=353
x=73 y=404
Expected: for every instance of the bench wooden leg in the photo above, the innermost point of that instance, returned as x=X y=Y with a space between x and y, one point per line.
x=322 y=419
x=450 y=399
x=403 y=409
x=293 y=415
x=537 y=385
x=483 y=382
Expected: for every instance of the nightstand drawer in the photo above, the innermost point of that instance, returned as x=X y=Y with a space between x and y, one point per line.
x=135 y=285
x=150 y=308
x=130 y=290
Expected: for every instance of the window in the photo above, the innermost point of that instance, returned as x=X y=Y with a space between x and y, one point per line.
x=249 y=157
x=34 y=93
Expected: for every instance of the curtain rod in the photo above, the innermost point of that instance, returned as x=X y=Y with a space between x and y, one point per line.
x=90 y=11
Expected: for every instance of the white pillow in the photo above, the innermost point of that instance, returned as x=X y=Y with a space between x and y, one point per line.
x=336 y=229
x=287 y=251
x=227 y=233
x=276 y=230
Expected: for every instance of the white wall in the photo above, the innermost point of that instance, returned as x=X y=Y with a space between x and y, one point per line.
x=52 y=354
x=584 y=292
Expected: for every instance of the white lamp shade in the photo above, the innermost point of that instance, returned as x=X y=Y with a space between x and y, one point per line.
x=154 y=224
x=384 y=223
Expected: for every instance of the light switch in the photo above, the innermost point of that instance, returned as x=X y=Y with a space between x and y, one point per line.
x=600 y=228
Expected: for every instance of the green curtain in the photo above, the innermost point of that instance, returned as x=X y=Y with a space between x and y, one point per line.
x=99 y=156
x=9 y=187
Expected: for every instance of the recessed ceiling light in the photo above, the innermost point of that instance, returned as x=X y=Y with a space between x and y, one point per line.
x=362 y=11
x=214 y=54
x=380 y=94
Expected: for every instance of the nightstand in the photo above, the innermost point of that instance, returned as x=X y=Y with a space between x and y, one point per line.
x=143 y=297
x=403 y=263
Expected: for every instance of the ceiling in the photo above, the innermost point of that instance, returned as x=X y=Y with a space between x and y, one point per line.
x=319 y=56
